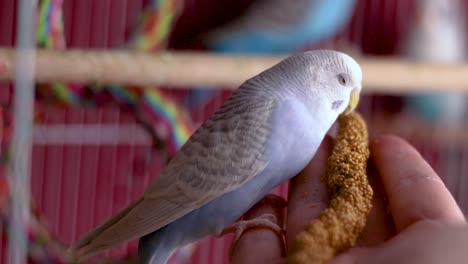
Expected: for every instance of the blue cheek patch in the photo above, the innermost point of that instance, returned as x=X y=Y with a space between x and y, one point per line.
x=336 y=104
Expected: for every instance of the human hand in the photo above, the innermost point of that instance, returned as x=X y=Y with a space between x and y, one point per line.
x=414 y=218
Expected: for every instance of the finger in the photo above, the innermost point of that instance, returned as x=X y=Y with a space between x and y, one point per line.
x=414 y=190
x=308 y=194
x=379 y=227
x=260 y=245
x=354 y=256
x=424 y=242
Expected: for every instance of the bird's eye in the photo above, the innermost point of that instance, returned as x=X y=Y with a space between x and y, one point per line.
x=343 y=79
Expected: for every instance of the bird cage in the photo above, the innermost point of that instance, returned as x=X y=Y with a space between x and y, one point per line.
x=103 y=130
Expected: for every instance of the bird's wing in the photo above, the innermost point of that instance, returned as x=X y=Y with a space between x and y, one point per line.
x=262 y=16
x=223 y=154
x=275 y=13
x=278 y=26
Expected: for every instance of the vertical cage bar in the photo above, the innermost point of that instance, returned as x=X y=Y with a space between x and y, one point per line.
x=23 y=114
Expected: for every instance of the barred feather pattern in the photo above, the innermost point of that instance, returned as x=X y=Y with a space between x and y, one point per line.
x=225 y=152
x=277 y=14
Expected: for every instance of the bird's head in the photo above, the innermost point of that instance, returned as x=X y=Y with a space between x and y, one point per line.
x=351 y=78
x=326 y=77
x=336 y=76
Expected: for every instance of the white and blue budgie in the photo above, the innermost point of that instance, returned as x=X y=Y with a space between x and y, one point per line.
x=265 y=133
x=437 y=35
x=282 y=26
x=278 y=26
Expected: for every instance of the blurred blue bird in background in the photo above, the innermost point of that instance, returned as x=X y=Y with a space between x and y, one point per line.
x=276 y=27
x=437 y=35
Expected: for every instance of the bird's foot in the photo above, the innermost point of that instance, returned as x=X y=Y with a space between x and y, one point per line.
x=264 y=221
x=268 y=221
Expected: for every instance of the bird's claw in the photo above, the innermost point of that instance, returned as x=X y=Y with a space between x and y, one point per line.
x=264 y=221
x=268 y=221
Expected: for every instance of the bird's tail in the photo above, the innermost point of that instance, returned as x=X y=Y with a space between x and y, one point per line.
x=85 y=248
x=156 y=247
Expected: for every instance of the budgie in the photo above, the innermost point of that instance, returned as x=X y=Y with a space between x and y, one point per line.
x=264 y=134
x=277 y=26
x=437 y=35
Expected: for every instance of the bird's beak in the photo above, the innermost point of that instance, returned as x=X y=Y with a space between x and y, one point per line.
x=353 y=100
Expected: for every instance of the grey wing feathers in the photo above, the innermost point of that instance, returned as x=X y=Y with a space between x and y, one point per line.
x=277 y=13
x=82 y=244
x=265 y=15
x=224 y=153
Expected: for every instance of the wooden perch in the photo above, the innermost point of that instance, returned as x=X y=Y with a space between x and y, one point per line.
x=188 y=69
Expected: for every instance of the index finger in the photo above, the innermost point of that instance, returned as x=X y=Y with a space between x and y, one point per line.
x=308 y=195
x=260 y=245
x=414 y=190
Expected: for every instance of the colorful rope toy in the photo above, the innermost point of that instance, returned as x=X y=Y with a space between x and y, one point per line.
x=150 y=106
